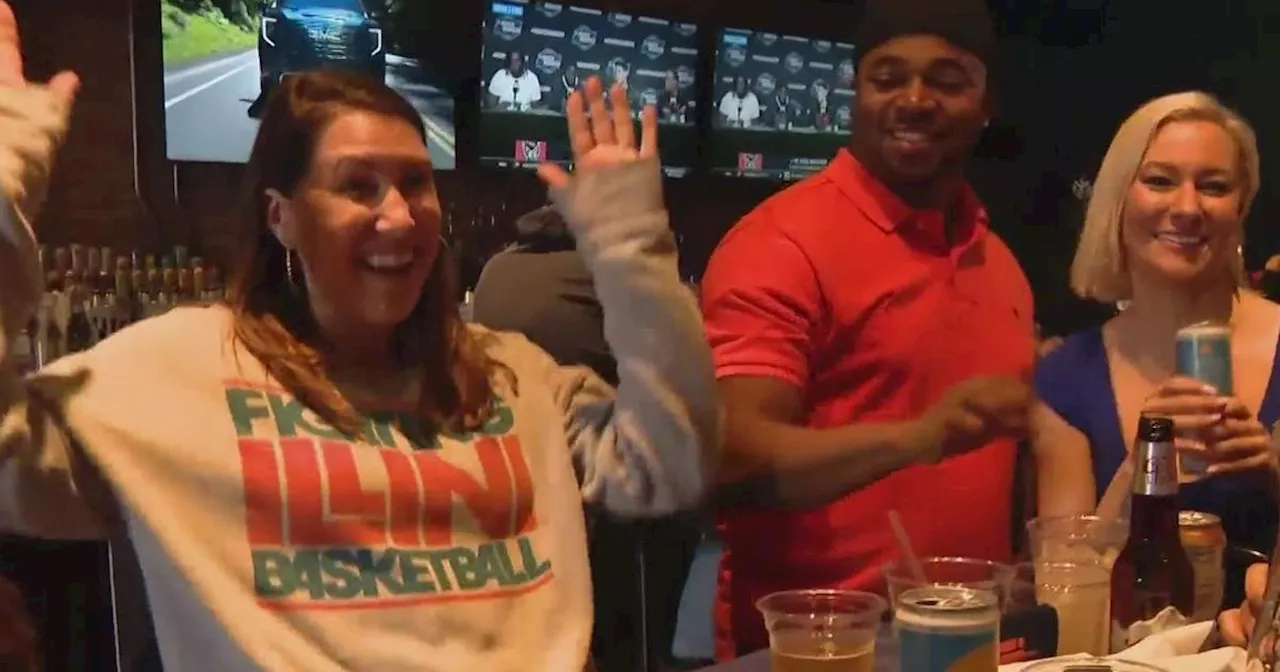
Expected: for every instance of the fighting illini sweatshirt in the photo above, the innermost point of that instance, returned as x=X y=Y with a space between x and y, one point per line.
x=267 y=540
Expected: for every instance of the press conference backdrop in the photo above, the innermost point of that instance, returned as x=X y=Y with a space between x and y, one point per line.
x=536 y=53
x=782 y=105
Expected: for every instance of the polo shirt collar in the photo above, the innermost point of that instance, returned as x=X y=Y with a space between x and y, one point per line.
x=888 y=212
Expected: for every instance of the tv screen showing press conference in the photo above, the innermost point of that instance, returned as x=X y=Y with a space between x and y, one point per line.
x=782 y=106
x=220 y=66
x=536 y=53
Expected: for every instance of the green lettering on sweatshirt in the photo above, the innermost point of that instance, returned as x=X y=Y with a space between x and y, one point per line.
x=295 y=577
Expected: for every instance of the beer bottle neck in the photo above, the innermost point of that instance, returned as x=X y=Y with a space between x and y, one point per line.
x=1154 y=511
x=1155 y=472
x=1154 y=517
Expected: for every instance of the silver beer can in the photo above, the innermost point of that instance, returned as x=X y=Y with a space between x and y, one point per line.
x=1204 y=353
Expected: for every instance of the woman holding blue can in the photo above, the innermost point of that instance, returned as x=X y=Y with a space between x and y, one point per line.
x=1163 y=236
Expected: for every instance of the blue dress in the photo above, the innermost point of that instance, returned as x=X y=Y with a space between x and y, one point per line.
x=1075 y=381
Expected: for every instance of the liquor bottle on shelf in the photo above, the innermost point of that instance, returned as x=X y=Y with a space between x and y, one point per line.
x=106 y=272
x=1152 y=581
x=61 y=260
x=125 y=305
x=137 y=281
x=22 y=352
x=91 y=292
x=79 y=330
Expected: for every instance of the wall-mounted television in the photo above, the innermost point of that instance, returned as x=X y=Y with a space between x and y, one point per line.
x=219 y=67
x=781 y=105
x=536 y=53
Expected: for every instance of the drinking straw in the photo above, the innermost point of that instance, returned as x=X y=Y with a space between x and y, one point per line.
x=904 y=542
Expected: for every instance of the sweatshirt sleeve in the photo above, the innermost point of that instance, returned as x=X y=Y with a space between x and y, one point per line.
x=647 y=448
x=44 y=483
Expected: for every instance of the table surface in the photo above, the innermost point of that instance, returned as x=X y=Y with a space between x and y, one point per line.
x=886 y=657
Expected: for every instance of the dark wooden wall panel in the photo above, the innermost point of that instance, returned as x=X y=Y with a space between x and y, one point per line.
x=94 y=193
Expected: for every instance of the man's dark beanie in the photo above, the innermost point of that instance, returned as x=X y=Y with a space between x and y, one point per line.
x=964 y=23
x=545 y=223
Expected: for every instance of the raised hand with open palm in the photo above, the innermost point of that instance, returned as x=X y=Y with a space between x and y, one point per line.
x=604 y=139
x=64 y=85
x=32 y=124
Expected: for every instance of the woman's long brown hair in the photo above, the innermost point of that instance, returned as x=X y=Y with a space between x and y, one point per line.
x=273 y=319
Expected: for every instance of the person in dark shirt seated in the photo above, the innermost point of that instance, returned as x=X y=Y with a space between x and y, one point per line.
x=541 y=288
x=673 y=105
x=569 y=82
x=784 y=112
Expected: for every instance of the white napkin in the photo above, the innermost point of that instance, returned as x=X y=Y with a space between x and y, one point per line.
x=1174 y=651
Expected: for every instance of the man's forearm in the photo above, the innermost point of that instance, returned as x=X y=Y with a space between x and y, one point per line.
x=769 y=463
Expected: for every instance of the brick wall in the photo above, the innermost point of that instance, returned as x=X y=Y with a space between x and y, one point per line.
x=94 y=196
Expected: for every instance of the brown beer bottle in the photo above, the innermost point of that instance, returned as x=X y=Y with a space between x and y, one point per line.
x=1153 y=572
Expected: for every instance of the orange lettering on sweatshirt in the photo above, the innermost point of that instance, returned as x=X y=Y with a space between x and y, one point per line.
x=263 y=505
x=304 y=492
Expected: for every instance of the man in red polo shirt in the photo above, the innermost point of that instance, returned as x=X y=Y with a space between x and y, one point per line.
x=872 y=337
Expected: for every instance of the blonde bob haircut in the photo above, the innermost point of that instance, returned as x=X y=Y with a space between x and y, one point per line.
x=1099 y=270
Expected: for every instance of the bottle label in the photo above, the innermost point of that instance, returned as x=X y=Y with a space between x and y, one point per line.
x=1157 y=470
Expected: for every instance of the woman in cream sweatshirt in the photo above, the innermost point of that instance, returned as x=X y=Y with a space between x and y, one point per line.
x=331 y=471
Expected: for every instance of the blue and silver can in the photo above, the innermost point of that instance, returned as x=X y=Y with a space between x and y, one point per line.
x=1204 y=353
x=948 y=629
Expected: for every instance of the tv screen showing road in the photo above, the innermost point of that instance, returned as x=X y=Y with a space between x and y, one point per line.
x=782 y=105
x=220 y=67
x=537 y=53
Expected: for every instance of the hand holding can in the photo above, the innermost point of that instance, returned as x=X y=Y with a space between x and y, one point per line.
x=1195 y=409
x=1204 y=354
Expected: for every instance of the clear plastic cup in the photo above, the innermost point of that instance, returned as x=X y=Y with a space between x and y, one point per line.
x=1084 y=665
x=1081 y=594
x=1077 y=539
x=955 y=572
x=836 y=628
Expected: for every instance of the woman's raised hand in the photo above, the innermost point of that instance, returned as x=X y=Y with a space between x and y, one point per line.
x=606 y=138
x=33 y=120
x=64 y=85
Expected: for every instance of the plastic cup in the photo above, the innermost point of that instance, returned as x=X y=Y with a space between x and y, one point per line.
x=822 y=629
x=953 y=572
x=1077 y=539
x=1081 y=594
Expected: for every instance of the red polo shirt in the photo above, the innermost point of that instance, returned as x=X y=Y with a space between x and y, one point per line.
x=839 y=288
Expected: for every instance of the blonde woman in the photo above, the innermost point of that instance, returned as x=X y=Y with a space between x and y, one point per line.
x=1163 y=233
